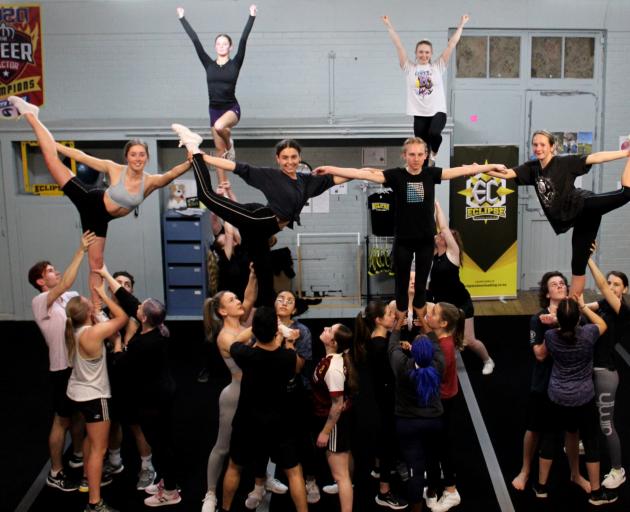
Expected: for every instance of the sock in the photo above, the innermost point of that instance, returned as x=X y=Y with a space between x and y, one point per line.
x=77 y=455
x=55 y=473
x=146 y=462
x=259 y=489
x=94 y=505
x=114 y=457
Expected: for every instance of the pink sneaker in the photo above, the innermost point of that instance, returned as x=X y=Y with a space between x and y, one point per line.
x=163 y=498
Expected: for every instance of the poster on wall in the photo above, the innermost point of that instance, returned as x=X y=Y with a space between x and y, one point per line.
x=21 y=54
x=484 y=211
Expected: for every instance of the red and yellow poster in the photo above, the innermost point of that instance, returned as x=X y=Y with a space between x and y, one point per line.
x=21 y=53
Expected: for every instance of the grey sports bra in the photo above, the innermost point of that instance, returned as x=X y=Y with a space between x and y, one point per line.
x=121 y=196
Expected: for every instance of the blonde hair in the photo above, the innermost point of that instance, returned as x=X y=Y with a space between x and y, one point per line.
x=77 y=312
x=414 y=140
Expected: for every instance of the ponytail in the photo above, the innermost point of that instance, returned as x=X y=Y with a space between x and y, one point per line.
x=568 y=315
x=364 y=326
x=212 y=321
x=425 y=375
x=343 y=338
x=77 y=311
x=71 y=346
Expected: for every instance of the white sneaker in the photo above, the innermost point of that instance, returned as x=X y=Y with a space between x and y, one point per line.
x=447 y=501
x=275 y=486
x=23 y=106
x=209 y=502
x=163 y=498
x=155 y=488
x=230 y=154
x=312 y=492
x=430 y=500
x=187 y=138
x=255 y=498
x=615 y=478
x=8 y=110
x=488 y=367
x=331 y=489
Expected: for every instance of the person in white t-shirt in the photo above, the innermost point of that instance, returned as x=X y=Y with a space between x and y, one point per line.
x=49 y=311
x=426 y=99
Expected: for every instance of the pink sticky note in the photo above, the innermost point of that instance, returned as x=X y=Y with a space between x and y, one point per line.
x=474 y=118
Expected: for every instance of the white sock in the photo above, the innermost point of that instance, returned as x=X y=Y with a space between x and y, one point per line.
x=54 y=473
x=146 y=462
x=114 y=457
x=78 y=455
x=259 y=489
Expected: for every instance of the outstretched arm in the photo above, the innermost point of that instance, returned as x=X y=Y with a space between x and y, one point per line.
x=452 y=249
x=221 y=163
x=201 y=53
x=348 y=173
x=87 y=239
x=606 y=156
x=452 y=42
x=602 y=284
x=400 y=49
x=251 y=293
x=471 y=170
x=161 y=180
x=98 y=164
x=508 y=174
x=593 y=317
x=242 y=44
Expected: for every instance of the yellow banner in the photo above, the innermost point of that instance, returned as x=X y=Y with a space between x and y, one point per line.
x=24 y=86
x=500 y=282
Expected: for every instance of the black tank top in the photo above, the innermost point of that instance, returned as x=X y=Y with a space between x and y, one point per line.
x=445 y=285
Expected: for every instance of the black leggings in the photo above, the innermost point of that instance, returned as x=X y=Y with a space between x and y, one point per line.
x=157 y=425
x=403 y=255
x=587 y=224
x=429 y=129
x=257 y=223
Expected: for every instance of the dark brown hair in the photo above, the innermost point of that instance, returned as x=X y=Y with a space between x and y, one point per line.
x=288 y=143
x=543 y=289
x=343 y=337
x=364 y=325
x=135 y=142
x=455 y=320
x=37 y=272
x=224 y=35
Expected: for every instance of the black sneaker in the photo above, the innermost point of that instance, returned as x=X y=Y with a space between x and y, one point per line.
x=540 y=490
x=75 y=462
x=602 y=497
x=106 y=479
x=61 y=482
x=101 y=506
x=390 y=500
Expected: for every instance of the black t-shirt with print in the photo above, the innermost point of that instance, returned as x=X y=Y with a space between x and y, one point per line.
x=555 y=188
x=415 y=201
x=381 y=207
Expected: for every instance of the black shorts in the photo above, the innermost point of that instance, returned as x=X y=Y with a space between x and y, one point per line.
x=339 y=439
x=252 y=446
x=468 y=308
x=93 y=410
x=90 y=205
x=539 y=417
x=62 y=405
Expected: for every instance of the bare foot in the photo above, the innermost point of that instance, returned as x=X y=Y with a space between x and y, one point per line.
x=582 y=482
x=520 y=481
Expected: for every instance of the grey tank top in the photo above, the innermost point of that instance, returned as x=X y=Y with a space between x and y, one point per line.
x=89 y=379
x=121 y=196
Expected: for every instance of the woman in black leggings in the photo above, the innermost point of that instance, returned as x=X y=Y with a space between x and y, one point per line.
x=564 y=205
x=286 y=190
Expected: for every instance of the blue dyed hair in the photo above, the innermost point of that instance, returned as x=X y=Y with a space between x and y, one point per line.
x=425 y=376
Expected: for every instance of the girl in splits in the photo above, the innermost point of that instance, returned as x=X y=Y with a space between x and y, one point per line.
x=446 y=286
x=221 y=75
x=564 y=205
x=616 y=313
x=286 y=190
x=414 y=222
x=129 y=184
x=426 y=100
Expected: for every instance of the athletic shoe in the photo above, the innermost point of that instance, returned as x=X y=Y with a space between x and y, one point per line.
x=75 y=461
x=154 y=488
x=403 y=471
x=602 y=497
x=331 y=489
x=390 y=500
x=615 y=478
x=112 y=469
x=100 y=507
x=106 y=479
x=187 y=138
x=488 y=367
x=312 y=492
x=61 y=482
x=447 y=501
x=146 y=477
x=163 y=498
x=23 y=106
x=7 y=110
x=581 y=449
x=375 y=473
x=230 y=154
x=540 y=490
x=209 y=502
x=255 y=498
x=275 y=486
x=204 y=376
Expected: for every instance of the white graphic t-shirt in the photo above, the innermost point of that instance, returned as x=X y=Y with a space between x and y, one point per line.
x=425 y=88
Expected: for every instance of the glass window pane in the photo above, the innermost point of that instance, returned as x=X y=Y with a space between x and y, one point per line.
x=505 y=57
x=546 y=57
x=579 y=57
x=471 y=57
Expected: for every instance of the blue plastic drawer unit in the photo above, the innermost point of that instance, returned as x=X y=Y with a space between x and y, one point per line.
x=186 y=241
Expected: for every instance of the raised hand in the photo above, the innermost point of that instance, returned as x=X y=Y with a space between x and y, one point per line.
x=253 y=10
x=386 y=21
x=180 y=12
x=103 y=272
x=465 y=19
x=87 y=239
x=322 y=171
